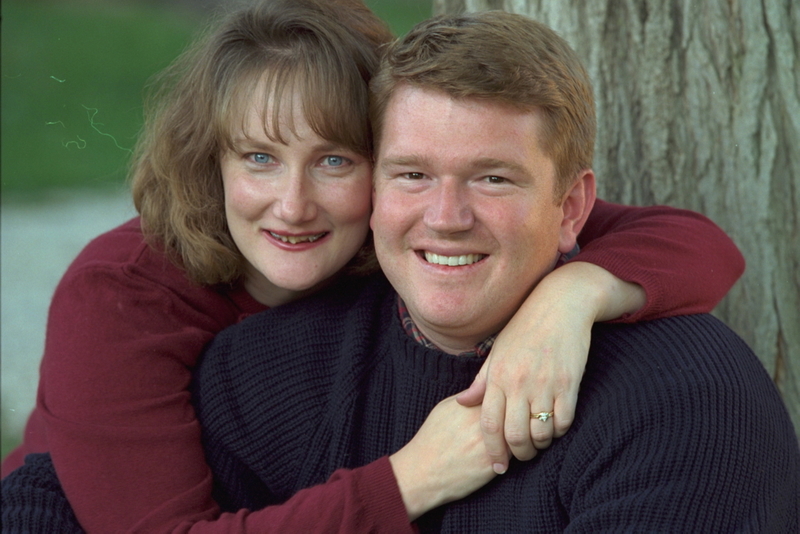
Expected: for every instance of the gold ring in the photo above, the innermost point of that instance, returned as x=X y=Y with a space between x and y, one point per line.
x=542 y=416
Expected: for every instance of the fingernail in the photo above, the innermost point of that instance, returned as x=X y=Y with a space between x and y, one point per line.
x=499 y=468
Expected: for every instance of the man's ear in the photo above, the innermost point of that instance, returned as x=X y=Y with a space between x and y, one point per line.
x=576 y=204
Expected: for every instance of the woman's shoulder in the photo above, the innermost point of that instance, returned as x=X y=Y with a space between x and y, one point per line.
x=349 y=309
x=123 y=261
x=120 y=246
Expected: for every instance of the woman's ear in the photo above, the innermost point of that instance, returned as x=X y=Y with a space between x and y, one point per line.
x=576 y=205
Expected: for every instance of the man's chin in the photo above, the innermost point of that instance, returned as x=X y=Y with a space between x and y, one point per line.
x=447 y=321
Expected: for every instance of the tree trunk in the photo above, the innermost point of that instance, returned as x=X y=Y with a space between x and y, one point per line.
x=699 y=107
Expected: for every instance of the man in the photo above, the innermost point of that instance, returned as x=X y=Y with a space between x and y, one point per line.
x=484 y=128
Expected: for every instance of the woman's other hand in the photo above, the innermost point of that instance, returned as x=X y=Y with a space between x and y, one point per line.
x=445 y=461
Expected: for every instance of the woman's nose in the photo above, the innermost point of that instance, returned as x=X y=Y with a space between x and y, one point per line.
x=296 y=203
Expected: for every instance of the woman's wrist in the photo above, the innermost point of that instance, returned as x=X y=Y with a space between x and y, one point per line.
x=604 y=295
x=417 y=498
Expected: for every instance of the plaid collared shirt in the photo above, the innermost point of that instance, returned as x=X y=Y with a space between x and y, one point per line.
x=481 y=349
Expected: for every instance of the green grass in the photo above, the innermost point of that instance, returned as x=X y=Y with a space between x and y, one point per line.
x=73 y=76
x=401 y=14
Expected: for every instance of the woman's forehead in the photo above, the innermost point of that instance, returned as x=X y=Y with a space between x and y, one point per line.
x=284 y=101
x=270 y=109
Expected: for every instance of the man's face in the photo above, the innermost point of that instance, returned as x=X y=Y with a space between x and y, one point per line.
x=465 y=220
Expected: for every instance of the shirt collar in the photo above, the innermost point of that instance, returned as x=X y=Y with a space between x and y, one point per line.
x=481 y=349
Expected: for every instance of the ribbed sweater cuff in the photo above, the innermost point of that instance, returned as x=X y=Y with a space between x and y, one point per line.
x=377 y=481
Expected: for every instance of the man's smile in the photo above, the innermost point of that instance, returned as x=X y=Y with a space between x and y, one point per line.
x=453 y=261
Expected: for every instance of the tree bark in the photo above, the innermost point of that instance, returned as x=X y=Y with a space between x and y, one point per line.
x=699 y=107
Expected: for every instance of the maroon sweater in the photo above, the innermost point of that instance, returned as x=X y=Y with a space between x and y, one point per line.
x=126 y=328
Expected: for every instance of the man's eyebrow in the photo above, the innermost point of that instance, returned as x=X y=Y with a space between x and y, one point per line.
x=403 y=161
x=480 y=164
x=494 y=163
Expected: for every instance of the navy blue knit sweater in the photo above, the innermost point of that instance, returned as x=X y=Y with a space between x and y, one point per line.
x=678 y=427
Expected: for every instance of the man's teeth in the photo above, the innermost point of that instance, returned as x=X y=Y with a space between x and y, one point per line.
x=465 y=259
x=297 y=239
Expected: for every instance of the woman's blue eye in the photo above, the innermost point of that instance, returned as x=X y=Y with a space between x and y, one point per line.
x=334 y=161
x=261 y=158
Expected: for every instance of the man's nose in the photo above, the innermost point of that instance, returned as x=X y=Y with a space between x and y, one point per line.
x=449 y=210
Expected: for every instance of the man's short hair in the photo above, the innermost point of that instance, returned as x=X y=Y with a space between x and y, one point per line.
x=504 y=58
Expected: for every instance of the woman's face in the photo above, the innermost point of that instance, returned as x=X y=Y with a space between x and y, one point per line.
x=297 y=211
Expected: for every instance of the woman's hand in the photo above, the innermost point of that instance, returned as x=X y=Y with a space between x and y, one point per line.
x=537 y=361
x=445 y=461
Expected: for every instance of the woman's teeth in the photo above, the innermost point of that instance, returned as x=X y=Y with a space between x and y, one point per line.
x=466 y=259
x=297 y=239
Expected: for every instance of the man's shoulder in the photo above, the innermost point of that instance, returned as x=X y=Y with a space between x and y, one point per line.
x=350 y=307
x=677 y=370
x=349 y=294
x=674 y=366
x=672 y=413
x=348 y=299
x=682 y=340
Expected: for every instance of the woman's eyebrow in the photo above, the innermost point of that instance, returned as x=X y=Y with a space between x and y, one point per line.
x=244 y=141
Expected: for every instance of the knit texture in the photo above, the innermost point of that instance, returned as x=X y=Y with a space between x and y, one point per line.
x=33 y=501
x=678 y=426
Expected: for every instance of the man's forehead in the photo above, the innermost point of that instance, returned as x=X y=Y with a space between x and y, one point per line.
x=411 y=97
x=421 y=126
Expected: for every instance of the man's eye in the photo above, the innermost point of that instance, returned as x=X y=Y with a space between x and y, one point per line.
x=414 y=175
x=495 y=179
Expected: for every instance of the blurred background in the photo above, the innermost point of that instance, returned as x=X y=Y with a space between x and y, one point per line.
x=72 y=80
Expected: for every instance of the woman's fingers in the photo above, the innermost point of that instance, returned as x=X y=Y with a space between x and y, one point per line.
x=493 y=427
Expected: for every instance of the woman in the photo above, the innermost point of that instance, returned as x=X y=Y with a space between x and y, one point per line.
x=253 y=184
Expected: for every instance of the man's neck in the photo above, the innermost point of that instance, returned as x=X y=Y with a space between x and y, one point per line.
x=457 y=345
